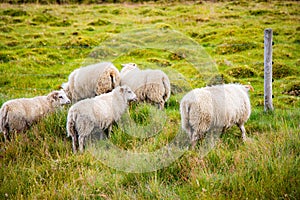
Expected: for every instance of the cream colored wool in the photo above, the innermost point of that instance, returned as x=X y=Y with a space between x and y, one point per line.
x=18 y=114
x=148 y=85
x=96 y=115
x=216 y=107
x=91 y=81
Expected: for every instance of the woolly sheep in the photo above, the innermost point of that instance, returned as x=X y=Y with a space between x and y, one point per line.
x=148 y=85
x=19 y=114
x=96 y=115
x=215 y=107
x=91 y=81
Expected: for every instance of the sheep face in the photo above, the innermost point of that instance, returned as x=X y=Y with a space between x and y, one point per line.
x=127 y=93
x=58 y=98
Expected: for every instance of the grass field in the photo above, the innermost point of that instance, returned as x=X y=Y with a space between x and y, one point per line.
x=200 y=44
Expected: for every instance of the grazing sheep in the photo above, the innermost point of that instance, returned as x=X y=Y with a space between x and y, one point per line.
x=19 y=114
x=96 y=115
x=148 y=85
x=91 y=81
x=216 y=107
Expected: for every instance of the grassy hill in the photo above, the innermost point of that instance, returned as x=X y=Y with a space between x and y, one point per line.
x=196 y=44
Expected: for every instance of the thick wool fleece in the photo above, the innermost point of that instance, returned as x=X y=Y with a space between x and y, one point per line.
x=149 y=85
x=19 y=114
x=215 y=107
x=91 y=81
x=97 y=115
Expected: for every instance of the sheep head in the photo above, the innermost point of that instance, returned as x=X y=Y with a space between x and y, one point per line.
x=128 y=67
x=249 y=87
x=57 y=98
x=127 y=93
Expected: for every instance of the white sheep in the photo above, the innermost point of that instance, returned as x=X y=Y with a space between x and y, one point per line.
x=215 y=108
x=91 y=81
x=148 y=85
x=96 y=115
x=17 y=115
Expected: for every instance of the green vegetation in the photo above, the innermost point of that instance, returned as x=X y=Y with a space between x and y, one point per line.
x=41 y=44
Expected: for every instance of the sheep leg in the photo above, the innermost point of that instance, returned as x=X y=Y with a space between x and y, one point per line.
x=223 y=130
x=194 y=142
x=194 y=137
x=73 y=133
x=6 y=134
x=81 y=143
x=102 y=135
x=161 y=105
x=243 y=130
x=108 y=131
x=191 y=135
x=74 y=143
x=6 y=131
x=189 y=131
x=6 y=137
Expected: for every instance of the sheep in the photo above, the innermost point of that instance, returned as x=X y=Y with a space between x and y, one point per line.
x=96 y=115
x=91 y=81
x=17 y=115
x=149 y=85
x=215 y=107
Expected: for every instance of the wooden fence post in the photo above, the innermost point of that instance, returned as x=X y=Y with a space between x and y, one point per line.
x=268 y=34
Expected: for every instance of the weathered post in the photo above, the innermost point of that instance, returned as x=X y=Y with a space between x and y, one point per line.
x=268 y=33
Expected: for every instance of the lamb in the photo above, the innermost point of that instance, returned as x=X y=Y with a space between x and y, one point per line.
x=91 y=81
x=19 y=114
x=148 y=85
x=215 y=107
x=96 y=115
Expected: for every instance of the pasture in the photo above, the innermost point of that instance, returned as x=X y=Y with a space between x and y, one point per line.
x=195 y=44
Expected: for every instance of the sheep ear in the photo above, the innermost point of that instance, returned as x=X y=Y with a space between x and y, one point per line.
x=53 y=96
x=249 y=87
x=63 y=86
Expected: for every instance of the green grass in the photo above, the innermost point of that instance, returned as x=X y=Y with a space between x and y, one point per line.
x=41 y=44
